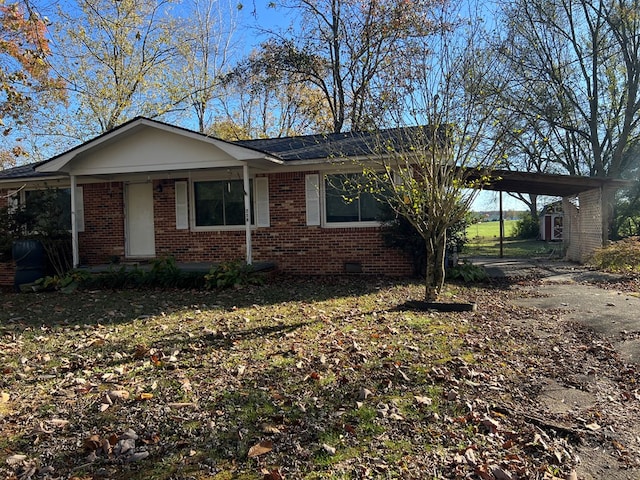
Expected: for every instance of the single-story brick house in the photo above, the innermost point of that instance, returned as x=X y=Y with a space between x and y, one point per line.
x=148 y=190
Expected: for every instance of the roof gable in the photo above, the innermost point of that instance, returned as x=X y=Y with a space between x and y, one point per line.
x=144 y=145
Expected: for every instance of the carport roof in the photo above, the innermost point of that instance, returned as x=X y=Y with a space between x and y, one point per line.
x=548 y=184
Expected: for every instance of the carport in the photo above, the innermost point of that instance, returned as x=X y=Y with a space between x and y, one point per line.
x=583 y=203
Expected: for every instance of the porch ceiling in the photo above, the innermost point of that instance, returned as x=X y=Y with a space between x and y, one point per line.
x=547 y=184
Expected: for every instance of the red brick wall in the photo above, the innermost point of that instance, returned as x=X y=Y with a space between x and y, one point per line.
x=289 y=242
x=7 y=269
x=300 y=249
x=295 y=247
x=7 y=273
x=103 y=236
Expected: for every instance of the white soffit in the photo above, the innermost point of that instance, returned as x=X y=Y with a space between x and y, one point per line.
x=148 y=146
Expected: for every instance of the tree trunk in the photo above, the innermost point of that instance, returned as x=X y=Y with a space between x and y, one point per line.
x=435 y=268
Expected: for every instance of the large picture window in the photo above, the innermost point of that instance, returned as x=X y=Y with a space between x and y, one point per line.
x=348 y=199
x=57 y=204
x=219 y=203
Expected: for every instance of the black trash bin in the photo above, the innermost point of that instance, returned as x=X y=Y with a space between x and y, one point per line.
x=29 y=257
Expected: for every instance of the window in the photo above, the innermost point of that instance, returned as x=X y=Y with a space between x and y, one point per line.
x=219 y=203
x=56 y=202
x=348 y=199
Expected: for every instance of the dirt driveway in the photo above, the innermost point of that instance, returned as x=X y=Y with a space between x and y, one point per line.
x=612 y=313
x=590 y=299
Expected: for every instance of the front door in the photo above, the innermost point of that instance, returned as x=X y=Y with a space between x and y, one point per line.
x=139 y=220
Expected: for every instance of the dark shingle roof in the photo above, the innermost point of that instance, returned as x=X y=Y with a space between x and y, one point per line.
x=307 y=147
x=331 y=145
x=25 y=171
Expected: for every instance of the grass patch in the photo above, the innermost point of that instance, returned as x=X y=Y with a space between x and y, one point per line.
x=484 y=241
x=299 y=363
x=490 y=230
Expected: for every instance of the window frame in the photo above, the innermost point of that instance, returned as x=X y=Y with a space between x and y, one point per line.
x=323 y=205
x=220 y=228
x=21 y=200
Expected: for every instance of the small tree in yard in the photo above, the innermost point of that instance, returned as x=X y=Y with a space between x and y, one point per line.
x=430 y=174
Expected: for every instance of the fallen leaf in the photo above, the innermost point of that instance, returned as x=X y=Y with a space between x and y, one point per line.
x=141 y=351
x=268 y=428
x=4 y=397
x=500 y=474
x=265 y=446
x=15 y=459
x=92 y=443
x=115 y=395
x=364 y=394
x=491 y=424
x=329 y=449
x=40 y=429
x=186 y=385
x=593 y=426
x=136 y=457
x=58 y=422
x=423 y=400
x=274 y=474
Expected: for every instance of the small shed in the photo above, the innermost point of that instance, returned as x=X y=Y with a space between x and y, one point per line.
x=551 y=222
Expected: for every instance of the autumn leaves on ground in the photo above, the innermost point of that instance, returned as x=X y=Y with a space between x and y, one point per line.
x=299 y=379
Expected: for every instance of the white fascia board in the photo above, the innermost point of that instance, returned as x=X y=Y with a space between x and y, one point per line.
x=59 y=163
x=236 y=152
x=57 y=180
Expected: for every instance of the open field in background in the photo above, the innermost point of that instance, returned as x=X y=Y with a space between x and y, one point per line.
x=484 y=241
x=489 y=230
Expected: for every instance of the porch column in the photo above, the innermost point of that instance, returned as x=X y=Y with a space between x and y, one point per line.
x=247 y=211
x=74 y=225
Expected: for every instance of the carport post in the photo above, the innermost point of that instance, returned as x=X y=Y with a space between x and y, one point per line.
x=247 y=211
x=501 y=228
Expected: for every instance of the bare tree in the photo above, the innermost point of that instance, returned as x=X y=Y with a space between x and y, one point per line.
x=264 y=101
x=342 y=47
x=205 y=43
x=575 y=66
x=429 y=173
x=114 y=55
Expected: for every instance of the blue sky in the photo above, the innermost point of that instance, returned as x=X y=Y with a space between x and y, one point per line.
x=490 y=200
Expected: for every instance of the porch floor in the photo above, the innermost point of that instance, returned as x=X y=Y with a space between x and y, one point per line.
x=145 y=265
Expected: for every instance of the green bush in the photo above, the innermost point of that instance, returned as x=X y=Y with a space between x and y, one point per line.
x=527 y=227
x=232 y=274
x=66 y=283
x=467 y=272
x=164 y=273
x=398 y=233
x=43 y=219
x=618 y=257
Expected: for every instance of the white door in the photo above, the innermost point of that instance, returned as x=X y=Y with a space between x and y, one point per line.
x=139 y=220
